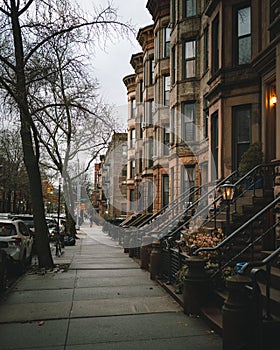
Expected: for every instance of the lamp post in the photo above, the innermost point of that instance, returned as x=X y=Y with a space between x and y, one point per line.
x=227 y=190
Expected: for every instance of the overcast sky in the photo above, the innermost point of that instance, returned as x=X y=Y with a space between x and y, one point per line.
x=112 y=66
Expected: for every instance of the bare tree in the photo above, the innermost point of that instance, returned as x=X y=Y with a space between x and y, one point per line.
x=14 y=186
x=26 y=27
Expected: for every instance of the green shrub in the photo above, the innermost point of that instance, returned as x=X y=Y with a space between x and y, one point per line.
x=251 y=158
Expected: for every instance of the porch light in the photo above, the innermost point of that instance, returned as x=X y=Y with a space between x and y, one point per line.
x=273 y=100
x=273 y=96
x=227 y=190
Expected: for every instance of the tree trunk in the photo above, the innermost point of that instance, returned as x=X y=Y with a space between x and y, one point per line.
x=70 y=225
x=31 y=159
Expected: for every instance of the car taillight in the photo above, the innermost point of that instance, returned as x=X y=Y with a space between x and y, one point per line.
x=17 y=240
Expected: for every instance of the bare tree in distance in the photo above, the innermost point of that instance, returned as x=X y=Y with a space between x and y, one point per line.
x=71 y=120
x=26 y=26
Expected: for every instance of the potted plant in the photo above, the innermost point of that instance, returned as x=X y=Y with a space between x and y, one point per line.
x=249 y=160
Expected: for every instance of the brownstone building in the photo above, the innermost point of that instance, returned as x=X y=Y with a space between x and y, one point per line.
x=205 y=88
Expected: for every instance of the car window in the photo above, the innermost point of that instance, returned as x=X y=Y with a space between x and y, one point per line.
x=23 y=229
x=7 y=229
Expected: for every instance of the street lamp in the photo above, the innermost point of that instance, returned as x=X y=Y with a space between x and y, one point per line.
x=227 y=190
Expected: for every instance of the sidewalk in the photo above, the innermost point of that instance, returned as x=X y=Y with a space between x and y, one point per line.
x=103 y=301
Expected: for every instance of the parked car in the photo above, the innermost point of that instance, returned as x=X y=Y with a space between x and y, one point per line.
x=27 y=219
x=16 y=240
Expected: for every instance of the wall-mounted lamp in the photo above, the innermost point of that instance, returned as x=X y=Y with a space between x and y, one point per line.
x=273 y=96
x=273 y=100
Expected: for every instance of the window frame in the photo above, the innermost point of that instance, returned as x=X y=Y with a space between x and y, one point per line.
x=238 y=38
x=166 y=42
x=189 y=59
x=216 y=44
x=166 y=90
x=193 y=12
x=185 y=122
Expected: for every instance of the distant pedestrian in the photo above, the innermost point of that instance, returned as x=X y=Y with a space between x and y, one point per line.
x=90 y=220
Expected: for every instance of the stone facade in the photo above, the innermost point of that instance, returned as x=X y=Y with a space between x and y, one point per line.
x=209 y=75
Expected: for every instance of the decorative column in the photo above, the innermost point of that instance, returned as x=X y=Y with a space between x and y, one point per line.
x=240 y=316
x=197 y=285
x=155 y=260
x=145 y=252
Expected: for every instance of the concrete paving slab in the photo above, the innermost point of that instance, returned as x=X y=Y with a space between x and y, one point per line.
x=91 y=266
x=46 y=283
x=30 y=335
x=117 y=292
x=40 y=296
x=105 y=260
x=128 y=306
x=34 y=311
x=137 y=328
x=50 y=275
x=116 y=273
x=112 y=281
x=208 y=342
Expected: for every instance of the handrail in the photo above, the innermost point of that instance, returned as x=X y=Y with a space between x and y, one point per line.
x=269 y=259
x=201 y=198
x=172 y=204
x=237 y=231
x=178 y=201
x=249 y=174
x=253 y=265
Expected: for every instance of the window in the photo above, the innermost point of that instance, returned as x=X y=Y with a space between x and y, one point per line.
x=124 y=150
x=214 y=145
x=189 y=59
x=149 y=112
x=166 y=139
x=141 y=126
x=157 y=46
x=132 y=199
x=132 y=138
x=188 y=122
x=172 y=180
x=124 y=170
x=241 y=132
x=190 y=8
x=188 y=177
x=141 y=90
x=206 y=48
x=132 y=169
x=166 y=90
x=140 y=162
x=165 y=190
x=150 y=152
x=172 y=126
x=150 y=197
x=173 y=12
x=151 y=70
x=173 y=62
x=204 y=173
x=206 y=117
x=244 y=35
x=133 y=108
x=166 y=40
x=215 y=45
